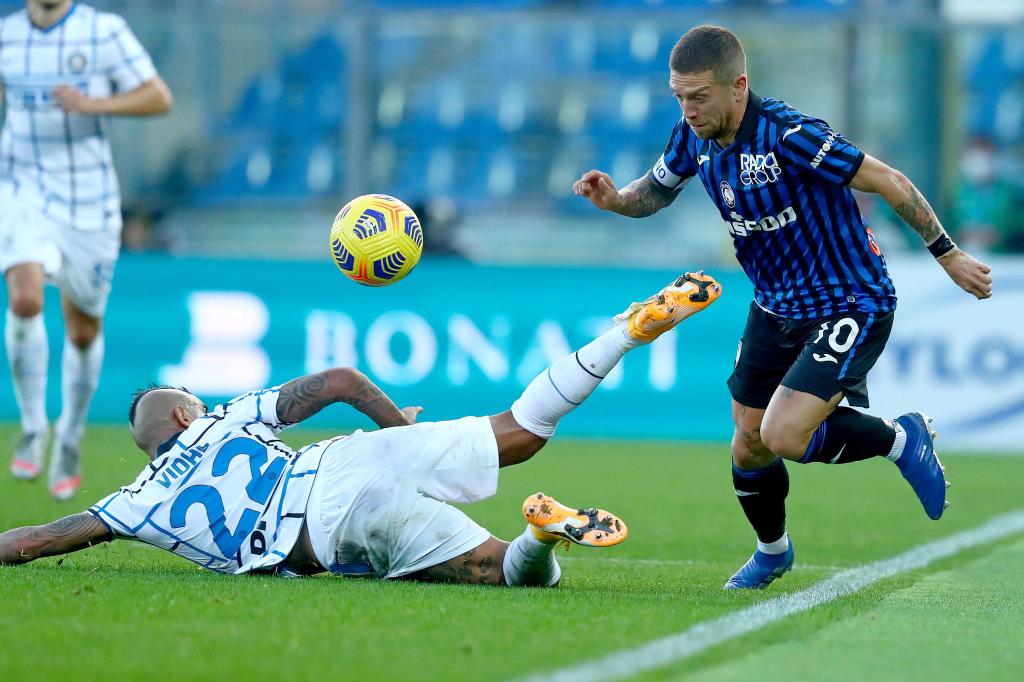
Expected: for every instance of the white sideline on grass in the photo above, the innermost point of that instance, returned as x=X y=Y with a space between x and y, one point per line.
x=673 y=648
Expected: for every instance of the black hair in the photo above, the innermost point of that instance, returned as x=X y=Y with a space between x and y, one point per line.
x=709 y=48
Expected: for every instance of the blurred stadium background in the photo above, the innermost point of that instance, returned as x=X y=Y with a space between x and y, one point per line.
x=480 y=115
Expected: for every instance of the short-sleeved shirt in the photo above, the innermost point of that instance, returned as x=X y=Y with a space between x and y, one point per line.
x=783 y=188
x=61 y=161
x=226 y=494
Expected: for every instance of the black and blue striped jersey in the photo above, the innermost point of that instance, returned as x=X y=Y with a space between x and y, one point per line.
x=783 y=188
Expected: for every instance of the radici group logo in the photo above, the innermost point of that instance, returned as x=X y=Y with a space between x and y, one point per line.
x=759 y=169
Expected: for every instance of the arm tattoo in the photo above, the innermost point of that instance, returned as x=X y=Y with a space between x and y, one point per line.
x=301 y=398
x=65 y=535
x=916 y=212
x=643 y=197
x=74 y=532
x=372 y=402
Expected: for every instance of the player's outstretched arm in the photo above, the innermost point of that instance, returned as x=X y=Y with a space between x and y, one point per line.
x=70 y=534
x=301 y=398
x=970 y=274
x=149 y=99
x=638 y=199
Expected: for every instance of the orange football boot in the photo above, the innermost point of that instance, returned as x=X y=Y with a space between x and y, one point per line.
x=552 y=520
x=690 y=294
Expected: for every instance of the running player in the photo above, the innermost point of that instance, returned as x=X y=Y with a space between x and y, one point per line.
x=224 y=492
x=823 y=301
x=64 y=67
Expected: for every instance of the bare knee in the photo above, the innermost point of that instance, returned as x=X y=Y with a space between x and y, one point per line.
x=26 y=304
x=515 y=444
x=83 y=338
x=82 y=329
x=748 y=452
x=481 y=565
x=25 y=289
x=791 y=419
x=784 y=442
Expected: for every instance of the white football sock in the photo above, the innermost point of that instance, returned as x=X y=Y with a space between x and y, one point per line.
x=530 y=562
x=560 y=389
x=28 y=354
x=80 y=374
x=897 y=445
x=777 y=547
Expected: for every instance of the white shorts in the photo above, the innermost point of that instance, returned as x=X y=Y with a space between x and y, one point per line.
x=80 y=262
x=378 y=505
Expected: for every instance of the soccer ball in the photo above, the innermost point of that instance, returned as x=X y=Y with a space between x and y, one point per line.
x=376 y=240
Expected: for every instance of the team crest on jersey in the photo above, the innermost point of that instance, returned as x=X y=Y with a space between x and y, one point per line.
x=77 y=62
x=728 y=194
x=873 y=243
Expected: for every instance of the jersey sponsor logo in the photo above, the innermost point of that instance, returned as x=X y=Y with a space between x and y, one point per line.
x=702 y=159
x=741 y=227
x=759 y=169
x=825 y=149
x=37 y=92
x=792 y=130
x=728 y=194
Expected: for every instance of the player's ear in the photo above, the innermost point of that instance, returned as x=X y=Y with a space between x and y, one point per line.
x=739 y=87
x=183 y=415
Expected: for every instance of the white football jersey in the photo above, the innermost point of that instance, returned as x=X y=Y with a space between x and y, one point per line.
x=61 y=162
x=227 y=494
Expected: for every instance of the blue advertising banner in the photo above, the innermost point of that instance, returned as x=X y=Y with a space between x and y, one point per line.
x=456 y=338
x=462 y=339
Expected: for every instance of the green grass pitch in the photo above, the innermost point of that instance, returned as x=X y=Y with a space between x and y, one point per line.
x=126 y=611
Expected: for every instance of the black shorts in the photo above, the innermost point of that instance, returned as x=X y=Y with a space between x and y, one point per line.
x=821 y=356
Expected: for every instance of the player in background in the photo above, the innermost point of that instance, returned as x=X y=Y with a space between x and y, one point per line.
x=823 y=301
x=64 y=67
x=224 y=492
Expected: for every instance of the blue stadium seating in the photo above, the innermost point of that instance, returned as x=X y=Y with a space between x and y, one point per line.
x=282 y=138
x=433 y=4
x=474 y=116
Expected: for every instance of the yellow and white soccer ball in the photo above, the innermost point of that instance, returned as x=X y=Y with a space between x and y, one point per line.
x=376 y=240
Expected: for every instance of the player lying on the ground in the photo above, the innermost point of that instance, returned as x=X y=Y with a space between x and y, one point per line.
x=224 y=492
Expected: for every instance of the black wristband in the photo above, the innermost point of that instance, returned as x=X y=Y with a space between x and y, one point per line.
x=941 y=246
